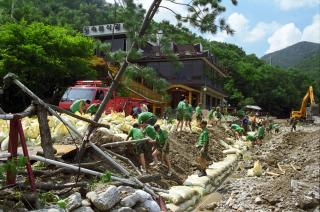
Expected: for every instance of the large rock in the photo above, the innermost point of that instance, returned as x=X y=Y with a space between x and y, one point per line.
x=130 y=200
x=151 y=205
x=83 y=209
x=105 y=200
x=74 y=201
x=125 y=209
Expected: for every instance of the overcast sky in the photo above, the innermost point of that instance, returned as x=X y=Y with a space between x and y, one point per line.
x=262 y=26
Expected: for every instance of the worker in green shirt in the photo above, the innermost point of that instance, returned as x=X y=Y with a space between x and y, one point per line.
x=188 y=115
x=260 y=133
x=237 y=130
x=180 y=113
x=162 y=148
x=202 y=145
x=199 y=114
x=92 y=109
x=139 y=146
x=210 y=116
x=218 y=115
x=147 y=118
x=149 y=131
x=78 y=105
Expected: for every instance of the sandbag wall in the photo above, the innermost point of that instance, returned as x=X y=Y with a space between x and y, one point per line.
x=185 y=197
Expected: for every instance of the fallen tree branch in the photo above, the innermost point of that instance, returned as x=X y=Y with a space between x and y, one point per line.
x=273 y=174
x=53 y=186
x=124 y=159
x=294 y=168
x=120 y=143
x=280 y=168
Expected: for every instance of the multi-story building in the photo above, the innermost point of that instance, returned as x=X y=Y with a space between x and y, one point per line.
x=199 y=78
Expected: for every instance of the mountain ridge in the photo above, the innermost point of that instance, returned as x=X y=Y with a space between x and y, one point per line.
x=293 y=55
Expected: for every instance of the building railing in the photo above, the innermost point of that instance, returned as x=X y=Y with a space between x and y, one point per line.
x=143 y=90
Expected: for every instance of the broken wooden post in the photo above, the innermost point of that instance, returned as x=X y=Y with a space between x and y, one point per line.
x=120 y=143
x=45 y=134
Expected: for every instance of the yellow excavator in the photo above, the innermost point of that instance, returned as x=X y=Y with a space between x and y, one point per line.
x=306 y=113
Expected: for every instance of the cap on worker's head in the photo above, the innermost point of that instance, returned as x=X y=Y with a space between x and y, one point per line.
x=135 y=125
x=204 y=123
x=156 y=127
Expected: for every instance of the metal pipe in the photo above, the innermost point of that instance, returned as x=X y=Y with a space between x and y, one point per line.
x=123 y=142
x=76 y=168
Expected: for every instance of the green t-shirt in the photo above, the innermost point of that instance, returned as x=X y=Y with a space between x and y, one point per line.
x=150 y=132
x=203 y=138
x=234 y=126
x=239 y=130
x=93 y=108
x=135 y=133
x=198 y=110
x=261 y=132
x=144 y=116
x=181 y=106
x=162 y=137
x=210 y=116
x=77 y=104
x=189 y=108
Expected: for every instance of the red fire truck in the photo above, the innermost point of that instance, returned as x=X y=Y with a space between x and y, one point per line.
x=94 y=91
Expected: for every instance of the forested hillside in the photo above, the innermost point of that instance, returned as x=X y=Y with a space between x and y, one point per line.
x=293 y=55
x=251 y=80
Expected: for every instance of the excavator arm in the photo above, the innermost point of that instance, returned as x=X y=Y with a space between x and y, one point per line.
x=302 y=112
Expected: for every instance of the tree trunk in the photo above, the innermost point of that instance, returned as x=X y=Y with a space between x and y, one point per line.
x=45 y=134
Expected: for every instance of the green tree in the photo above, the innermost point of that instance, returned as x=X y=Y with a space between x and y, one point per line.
x=45 y=58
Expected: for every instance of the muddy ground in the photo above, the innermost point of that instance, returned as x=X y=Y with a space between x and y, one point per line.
x=290 y=180
x=183 y=153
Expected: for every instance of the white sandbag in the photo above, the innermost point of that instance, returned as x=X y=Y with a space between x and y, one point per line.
x=3 y=135
x=5 y=144
x=257 y=168
x=224 y=144
x=198 y=189
x=208 y=188
x=218 y=166
x=187 y=204
x=174 y=208
x=184 y=191
x=121 y=135
x=231 y=151
x=194 y=180
x=213 y=173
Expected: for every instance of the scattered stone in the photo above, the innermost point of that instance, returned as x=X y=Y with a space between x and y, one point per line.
x=143 y=195
x=83 y=209
x=151 y=206
x=211 y=206
x=258 y=200
x=50 y=210
x=86 y=202
x=74 y=201
x=126 y=189
x=130 y=200
x=308 y=202
x=140 y=209
x=105 y=200
x=125 y=209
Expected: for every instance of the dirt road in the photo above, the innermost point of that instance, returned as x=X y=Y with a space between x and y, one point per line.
x=290 y=180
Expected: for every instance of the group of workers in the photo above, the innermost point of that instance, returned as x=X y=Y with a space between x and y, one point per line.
x=148 y=137
x=157 y=141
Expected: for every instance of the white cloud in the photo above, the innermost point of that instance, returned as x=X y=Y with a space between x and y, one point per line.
x=245 y=33
x=289 y=34
x=260 y=31
x=312 y=32
x=285 y=36
x=238 y=22
x=293 y=4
